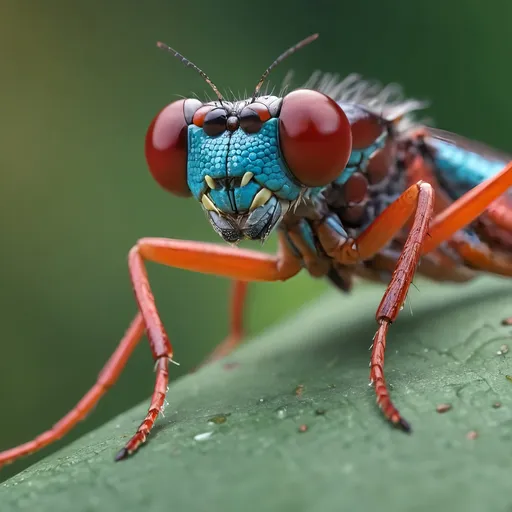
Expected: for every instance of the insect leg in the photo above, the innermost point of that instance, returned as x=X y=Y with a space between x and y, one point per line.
x=418 y=197
x=208 y=258
x=236 y=328
x=106 y=379
x=396 y=293
x=499 y=213
x=238 y=264
x=485 y=197
x=466 y=209
x=492 y=209
x=418 y=200
x=480 y=257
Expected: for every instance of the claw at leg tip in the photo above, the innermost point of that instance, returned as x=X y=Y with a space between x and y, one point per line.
x=121 y=454
x=405 y=426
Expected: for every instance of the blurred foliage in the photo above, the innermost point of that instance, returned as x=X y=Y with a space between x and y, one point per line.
x=79 y=85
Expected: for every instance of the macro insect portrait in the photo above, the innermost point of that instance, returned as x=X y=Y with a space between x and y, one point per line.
x=351 y=182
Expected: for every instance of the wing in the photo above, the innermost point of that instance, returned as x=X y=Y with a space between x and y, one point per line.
x=471 y=146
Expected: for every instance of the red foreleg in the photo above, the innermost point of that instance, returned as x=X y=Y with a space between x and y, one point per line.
x=241 y=265
x=234 y=263
x=445 y=225
x=106 y=379
x=394 y=297
x=418 y=200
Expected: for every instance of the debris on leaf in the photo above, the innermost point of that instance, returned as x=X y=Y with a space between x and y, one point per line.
x=509 y=377
x=299 y=390
x=218 y=419
x=471 y=435
x=496 y=405
x=230 y=366
x=503 y=350
x=443 y=408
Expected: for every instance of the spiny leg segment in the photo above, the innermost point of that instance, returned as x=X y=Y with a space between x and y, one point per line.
x=245 y=266
x=418 y=198
x=207 y=258
x=237 y=264
x=106 y=379
x=444 y=226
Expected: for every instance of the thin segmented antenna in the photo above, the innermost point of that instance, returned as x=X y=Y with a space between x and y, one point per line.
x=279 y=59
x=190 y=64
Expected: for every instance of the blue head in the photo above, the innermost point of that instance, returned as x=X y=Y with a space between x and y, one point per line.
x=247 y=162
x=235 y=168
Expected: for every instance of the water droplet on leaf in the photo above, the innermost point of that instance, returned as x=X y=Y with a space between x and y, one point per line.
x=203 y=437
x=503 y=350
x=281 y=412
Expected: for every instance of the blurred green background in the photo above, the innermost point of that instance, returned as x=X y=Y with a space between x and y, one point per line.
x=79 y=84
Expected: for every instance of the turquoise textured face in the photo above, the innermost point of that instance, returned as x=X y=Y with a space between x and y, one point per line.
x=225 y=159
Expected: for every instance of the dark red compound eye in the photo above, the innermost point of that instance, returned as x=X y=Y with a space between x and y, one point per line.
x=315 y=137
x=166 y=149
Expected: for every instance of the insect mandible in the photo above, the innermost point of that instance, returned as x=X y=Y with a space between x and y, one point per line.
x=352 y=185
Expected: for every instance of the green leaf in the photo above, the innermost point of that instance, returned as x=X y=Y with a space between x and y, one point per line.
x=313 y=370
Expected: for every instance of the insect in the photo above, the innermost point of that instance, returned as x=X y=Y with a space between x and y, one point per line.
x=350 y=182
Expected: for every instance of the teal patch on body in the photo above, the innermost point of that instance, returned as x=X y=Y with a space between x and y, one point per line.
x=460 y=170
x=307 y=235
x=358 y=159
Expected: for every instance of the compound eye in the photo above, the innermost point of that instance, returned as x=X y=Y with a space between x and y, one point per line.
x=215 y=122
x=253 y=116
x=200 y=114
x=166 y=149
x=315 y=137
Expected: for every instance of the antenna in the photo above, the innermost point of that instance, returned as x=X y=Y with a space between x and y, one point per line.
x=190 y=64
x=279 y=59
